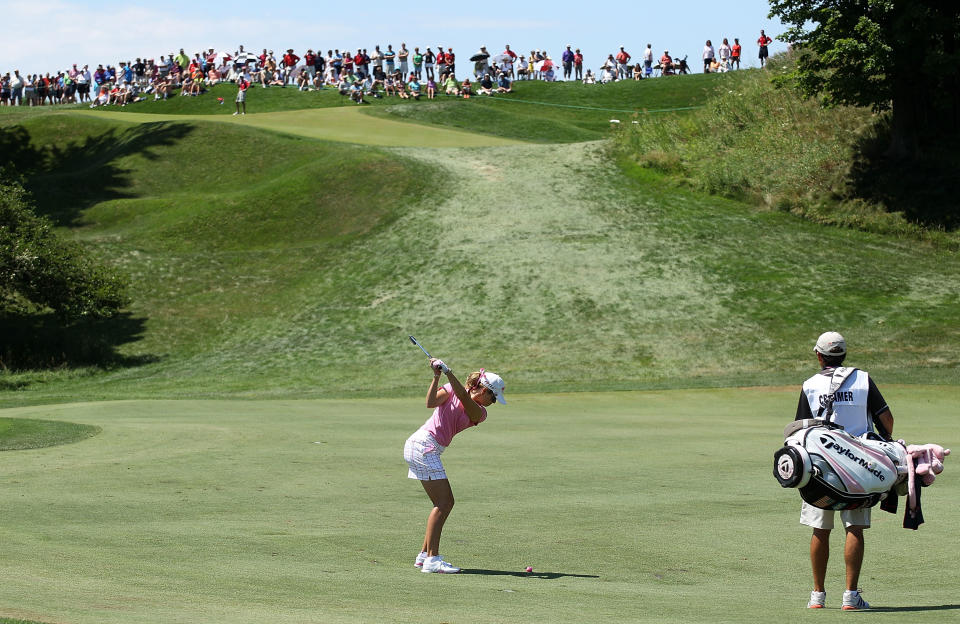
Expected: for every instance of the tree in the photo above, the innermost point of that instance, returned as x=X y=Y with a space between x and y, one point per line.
x=39 y=271
x=897 y=55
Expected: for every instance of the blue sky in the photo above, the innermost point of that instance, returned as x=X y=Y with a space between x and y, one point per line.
x=49 y=35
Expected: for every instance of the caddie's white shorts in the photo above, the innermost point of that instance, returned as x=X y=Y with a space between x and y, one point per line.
x=823 y=518
x=422 y=453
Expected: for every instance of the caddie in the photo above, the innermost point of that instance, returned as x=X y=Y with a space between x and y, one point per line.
x=858 y=407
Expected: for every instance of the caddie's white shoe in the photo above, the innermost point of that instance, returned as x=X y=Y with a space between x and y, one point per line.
x=419 y=562
x=437 y=565
x=817 y=600
x=853 y=601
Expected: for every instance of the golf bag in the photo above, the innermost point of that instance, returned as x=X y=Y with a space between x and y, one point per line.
x=835 y=470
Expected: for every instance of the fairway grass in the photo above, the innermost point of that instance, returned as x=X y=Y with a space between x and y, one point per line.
x=630 y=507
x=344 y=124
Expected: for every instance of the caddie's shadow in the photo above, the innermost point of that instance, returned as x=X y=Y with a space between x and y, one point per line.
x=548 y=576
x=949 y=607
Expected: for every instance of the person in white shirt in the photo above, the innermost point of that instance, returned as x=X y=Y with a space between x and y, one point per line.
x=708 y=56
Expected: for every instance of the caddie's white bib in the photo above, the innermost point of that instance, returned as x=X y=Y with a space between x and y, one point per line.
x=849 y=401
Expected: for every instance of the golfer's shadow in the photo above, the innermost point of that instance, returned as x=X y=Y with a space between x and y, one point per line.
x=549 y=576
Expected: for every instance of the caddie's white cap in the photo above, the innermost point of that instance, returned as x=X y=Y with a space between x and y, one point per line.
x=831 y=343
x=494 y=383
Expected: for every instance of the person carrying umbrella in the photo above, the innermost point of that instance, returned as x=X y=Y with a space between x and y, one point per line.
x=479 y=59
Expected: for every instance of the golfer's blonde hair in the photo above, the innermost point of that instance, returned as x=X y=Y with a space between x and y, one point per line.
x=473 y=380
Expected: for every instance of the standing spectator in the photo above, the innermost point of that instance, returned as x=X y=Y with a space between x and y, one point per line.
x=376 y=58
x=567 y=60
x=418 y=63
x=5 y=90
x=578 y=64
x=309 y=63
x=857 y=406
x=451 y=60
x=763 y=42
x=735 y=51
x=648 y=60
x=390 y=58
x=402 y=55
x=482 y=66
x=428 y=60
x=16 y=89
x=441 y=61
x=183 y=60
x=40 y=86
x=725 y=54
x=242 y=86
x=29 y=92
x=623 y=64
x=83 y=84
x=290 y=61
x=708 y=56
x=358 y=61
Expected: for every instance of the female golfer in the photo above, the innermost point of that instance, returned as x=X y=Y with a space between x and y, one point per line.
x=455 y=408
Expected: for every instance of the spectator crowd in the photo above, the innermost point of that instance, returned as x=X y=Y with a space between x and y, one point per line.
x=360 y=74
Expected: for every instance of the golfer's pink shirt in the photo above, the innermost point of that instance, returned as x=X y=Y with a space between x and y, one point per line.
x=449 y=419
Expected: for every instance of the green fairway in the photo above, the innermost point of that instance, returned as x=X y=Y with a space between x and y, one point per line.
x=334 y=124
x=654 y=507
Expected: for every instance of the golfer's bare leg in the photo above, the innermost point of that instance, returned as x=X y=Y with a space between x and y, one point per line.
x=853 y=555
x=819 y=556
x=442 y=496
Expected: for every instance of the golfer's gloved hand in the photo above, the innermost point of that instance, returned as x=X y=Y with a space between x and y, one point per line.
x=438 y=365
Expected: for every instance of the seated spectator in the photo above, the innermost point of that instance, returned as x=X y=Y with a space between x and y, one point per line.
x=503 y=84
x=213 y=76
x=466 y=89
x=609 y=74
x=102 y=99
x=431 y=89
x=486 y=85
x=399 y=85
x=276 y=79
x=666 y=63
x=522 y=68
x=344 y=85
x=637 y=72
x=303 y=80
x=318 y=81
x=356 y=92
x=589 y=78
x=388 y=86
x=450 y=85
x=414 y=86
x=186 y=86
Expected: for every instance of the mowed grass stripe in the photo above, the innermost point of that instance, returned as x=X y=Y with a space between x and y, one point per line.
x=653 y=507
x=333 y=124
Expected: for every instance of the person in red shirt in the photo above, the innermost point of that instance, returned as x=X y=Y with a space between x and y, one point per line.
x=578 y=65
x=623 y=63
x=309 y=60
x=450 y=59
x=763 y=42
x=735 y=52
x=290 y=61
x=441 y=62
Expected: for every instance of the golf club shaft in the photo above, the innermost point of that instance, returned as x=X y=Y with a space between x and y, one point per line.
x=414 y=341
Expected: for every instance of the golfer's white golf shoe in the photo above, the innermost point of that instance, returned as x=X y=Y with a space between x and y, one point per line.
x=437 y=565
x=420 y=558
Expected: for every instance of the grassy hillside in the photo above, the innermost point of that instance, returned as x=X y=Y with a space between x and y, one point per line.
x=268 y=265
x=768 y=146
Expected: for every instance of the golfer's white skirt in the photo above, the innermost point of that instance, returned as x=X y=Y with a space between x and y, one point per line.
x=422 y=453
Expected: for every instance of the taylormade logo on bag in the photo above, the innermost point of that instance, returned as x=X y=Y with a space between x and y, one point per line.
x=831 y=444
